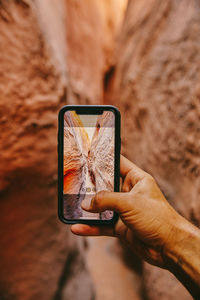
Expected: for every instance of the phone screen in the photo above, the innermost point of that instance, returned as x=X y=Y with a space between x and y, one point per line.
x=88 y=161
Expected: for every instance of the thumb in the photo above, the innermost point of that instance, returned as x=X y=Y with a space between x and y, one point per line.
x=105 y=200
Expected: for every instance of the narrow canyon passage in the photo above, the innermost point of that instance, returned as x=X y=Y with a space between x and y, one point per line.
x=145 y=60
x=113 y=279
x=88 y=161
x=89 y=186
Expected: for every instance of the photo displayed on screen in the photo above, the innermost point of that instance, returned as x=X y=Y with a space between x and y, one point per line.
x=88 y=161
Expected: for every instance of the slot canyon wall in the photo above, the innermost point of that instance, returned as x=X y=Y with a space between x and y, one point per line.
x=156 y=87
x=50 y=56
x=36 y=251
x=84 y=52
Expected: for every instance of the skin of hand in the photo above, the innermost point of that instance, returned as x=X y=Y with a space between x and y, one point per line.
x=149 y=225
x=146 y=218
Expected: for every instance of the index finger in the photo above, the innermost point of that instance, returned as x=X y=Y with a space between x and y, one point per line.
x=125 y=166
x=89 y=230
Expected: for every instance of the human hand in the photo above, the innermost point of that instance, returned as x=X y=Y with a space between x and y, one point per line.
x=146 y=220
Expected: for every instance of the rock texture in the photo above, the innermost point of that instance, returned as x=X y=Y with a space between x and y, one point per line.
x=92 y=27
x=111 y=270
x=37 y=252
x=63 y=52
x=39 y=72
x=156 y=87
x=101 y=155
x=88 y=161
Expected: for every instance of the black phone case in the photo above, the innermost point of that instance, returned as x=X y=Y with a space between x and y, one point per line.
x=87 y=109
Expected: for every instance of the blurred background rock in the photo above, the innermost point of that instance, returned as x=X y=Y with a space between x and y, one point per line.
x=142 y=56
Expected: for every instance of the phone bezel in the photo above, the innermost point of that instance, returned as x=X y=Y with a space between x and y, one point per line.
x=87 y=109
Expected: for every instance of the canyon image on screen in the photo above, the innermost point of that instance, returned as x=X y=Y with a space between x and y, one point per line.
x=88 y=161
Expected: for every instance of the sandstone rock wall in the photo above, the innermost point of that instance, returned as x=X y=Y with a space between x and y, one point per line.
x=37 y=252
x=92 y=27
x=50 y=56
x=156 y=87
x=59 y=52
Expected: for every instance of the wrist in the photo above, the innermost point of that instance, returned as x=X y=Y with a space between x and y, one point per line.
x=179 y=228
x=181 y=252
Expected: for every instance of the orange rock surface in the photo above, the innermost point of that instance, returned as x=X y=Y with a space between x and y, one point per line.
x=156 y=86
x=37 y=252
x=88 y=161
x=74 y=52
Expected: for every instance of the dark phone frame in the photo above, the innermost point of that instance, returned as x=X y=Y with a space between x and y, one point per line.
x=87 y=109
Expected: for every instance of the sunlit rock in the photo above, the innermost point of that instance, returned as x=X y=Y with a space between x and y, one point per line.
x=88 y=166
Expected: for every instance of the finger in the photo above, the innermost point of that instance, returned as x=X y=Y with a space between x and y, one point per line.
x=125 y=166
x=106 y=200
x=88 y=230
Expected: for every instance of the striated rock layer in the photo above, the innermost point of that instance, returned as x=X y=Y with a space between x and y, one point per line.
x=88 y=161
x=156 y=87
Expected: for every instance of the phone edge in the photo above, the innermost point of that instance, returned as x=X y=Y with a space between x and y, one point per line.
x=60 y=162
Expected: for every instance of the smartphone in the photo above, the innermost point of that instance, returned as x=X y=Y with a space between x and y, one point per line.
x=88 y=160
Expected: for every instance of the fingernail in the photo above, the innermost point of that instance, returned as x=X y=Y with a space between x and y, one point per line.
x=85 y=204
